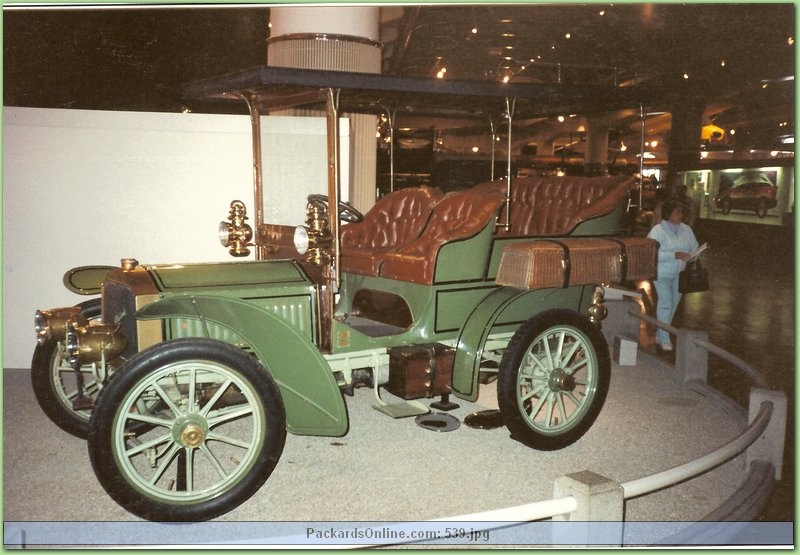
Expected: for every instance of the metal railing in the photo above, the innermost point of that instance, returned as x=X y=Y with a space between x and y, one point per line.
x=634 y=488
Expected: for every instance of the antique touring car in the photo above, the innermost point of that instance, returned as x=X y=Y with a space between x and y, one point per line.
x=186 y=378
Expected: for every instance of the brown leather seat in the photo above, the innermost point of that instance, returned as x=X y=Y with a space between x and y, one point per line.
x=458 y=216
x=554 y=206
x=393 y=221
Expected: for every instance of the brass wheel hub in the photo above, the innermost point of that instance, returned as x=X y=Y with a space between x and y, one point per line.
x=192 y=436
x=561 y=381
x=190 y=431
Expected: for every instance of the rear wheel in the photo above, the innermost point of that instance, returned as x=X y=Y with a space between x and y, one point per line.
x=55 y=383
x=553 y=379
x=217 y=435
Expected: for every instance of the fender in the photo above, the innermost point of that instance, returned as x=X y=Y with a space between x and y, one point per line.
x=311 y=396
x=469 y=347
x=86 y=280
x=519 y=304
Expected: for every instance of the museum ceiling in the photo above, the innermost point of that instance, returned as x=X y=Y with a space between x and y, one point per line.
x=737 y=59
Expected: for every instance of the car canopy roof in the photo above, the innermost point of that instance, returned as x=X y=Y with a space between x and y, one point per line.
x=273 y=88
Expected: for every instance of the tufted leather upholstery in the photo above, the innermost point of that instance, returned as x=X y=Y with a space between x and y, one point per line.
x=459 y=215
x=553 y=206
x=393 y=221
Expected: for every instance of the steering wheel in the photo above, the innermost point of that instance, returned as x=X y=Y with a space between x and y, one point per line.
x=347 y=212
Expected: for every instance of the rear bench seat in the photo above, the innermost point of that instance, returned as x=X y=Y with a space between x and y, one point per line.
x=554 y=206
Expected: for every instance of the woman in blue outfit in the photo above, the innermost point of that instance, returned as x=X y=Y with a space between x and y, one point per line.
x=676 y=242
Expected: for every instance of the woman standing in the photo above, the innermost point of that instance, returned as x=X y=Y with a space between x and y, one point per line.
x=676 y=242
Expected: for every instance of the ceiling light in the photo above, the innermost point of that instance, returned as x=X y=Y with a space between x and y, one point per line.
x=790 y=41
x=602 y=13
x=722 y=63
x=686 y=76
x=474 y=30
x=560 y=119
x=622 y=146
x=732 y=132
x=475 y=149
x=568 y=36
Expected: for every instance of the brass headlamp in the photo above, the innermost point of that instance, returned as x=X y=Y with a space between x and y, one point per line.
x=235 y=234
x=314 y=239
x=52 y=324
x=93 y=343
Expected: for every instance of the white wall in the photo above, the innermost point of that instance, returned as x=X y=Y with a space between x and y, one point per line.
x=88 y=187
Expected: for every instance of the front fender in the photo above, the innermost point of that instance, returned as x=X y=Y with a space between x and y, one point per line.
x=311 y=396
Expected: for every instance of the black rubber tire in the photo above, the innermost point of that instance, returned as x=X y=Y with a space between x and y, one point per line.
x=594 y=350
x=248 y=475
x=46 y=389
x=761 y=208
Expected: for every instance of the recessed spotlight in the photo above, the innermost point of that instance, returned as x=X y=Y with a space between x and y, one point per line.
x=790 y=41
x=568 y=36
x=474 y=30
x=686 y=76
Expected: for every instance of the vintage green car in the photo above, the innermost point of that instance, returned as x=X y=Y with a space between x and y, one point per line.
x=186 y=378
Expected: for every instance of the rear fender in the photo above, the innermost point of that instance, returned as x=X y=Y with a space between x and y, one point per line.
x=506 y=306
x=469 y=348
x=311 y=396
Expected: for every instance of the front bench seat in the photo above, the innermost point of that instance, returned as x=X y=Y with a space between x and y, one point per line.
x=458 y=216
x=394 y=220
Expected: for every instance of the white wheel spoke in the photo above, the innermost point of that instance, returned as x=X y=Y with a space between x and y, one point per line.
x=213 y=460
x=192 y=388
x=229 y=440
x=559 y=349
x=189 y=470
x=226 y=415
x=155 y=420
x=148 y=444
x=167 y=459
x=561 y=408
x=220 y=392
x=166 y=398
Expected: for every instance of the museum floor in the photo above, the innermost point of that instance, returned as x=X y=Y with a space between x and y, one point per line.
x=386 y=469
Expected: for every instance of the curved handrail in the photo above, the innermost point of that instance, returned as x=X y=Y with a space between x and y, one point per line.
x=648 y=484
x=751 y=372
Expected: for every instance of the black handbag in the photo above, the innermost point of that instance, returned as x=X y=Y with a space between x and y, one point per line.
x=693 y=278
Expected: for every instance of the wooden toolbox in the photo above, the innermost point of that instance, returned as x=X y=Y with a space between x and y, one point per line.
x=420 y=370
x=543 y=263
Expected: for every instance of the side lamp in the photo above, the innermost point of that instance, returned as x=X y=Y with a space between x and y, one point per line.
x=235 y=234
x=314 y=239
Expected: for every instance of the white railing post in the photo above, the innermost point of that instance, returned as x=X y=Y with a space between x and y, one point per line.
x=691 y=360
x=769 y=446
x=598 y=518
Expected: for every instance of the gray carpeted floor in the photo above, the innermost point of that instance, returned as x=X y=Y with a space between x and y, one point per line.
x=386 y=469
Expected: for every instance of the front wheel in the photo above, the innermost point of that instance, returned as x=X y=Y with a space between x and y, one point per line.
x=213 y=439
x=553 y=379
x=55 y=382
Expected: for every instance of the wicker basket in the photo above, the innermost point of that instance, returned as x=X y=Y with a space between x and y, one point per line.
x=544 y=263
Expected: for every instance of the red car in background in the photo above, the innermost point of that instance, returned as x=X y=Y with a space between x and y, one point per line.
x=749 y=192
